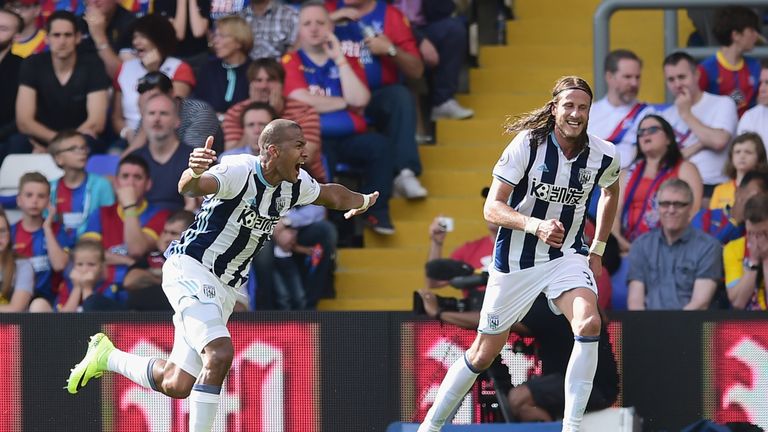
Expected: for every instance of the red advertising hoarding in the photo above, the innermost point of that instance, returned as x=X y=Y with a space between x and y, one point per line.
x=273 y=385
x=736 y=371
x=10 y=370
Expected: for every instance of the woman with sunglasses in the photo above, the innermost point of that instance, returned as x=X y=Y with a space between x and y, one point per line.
x=658 y=159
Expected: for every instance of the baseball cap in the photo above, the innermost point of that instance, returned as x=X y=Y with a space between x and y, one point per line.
x=154 y=80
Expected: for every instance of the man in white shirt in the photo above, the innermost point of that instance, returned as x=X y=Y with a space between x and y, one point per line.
x=755 y=119
x=703 y=122
x=615 y=117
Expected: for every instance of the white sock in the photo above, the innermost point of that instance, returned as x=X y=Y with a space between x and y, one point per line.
x=454 y=387
x=203 y=404
x=136 y=368
x=578 y=380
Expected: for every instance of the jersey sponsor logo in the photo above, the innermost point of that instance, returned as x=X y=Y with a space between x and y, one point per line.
x=252 y=220
x=556 y=194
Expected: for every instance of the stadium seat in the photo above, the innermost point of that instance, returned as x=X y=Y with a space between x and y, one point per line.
x=16 y=165
x=103 y=164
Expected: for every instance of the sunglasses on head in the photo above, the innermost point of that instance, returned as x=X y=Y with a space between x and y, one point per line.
x=149 y=82
x=648 y=131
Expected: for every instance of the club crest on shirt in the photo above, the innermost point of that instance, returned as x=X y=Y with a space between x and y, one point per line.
x=283 y=203
x=585 y=176
x=209 y=291
x=493 y=322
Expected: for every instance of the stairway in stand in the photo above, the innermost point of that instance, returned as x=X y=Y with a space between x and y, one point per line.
x=548 y=39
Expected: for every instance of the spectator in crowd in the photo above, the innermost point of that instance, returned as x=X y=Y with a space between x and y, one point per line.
x=223 y=82
x=256 y=116
x=703 y=122
x=756 y=118
x=31 y=38
x=84 y=287
x=77 y=193
x=729 y=72
x=166 y=156
x=746 y=153
x=542 y=397
x=320 y=75
x=275 y=27
x=674 y=266
x=615 y=117
x=18 y=277
x=442 y=40
x=190 y=19
x=107 y=30
x=154 y=41
x=727 y=223
x=10 y=24
x=197 y=120
x=745 y=258
x=267 y=77
x=37 y=238
x=380 y=37
x=45 y=106
x=658 y=160
x=144 y=278
x=128 y=229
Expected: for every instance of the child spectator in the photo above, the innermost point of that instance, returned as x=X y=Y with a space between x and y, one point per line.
x=746 y=153
x=17 y=278
x=78 y=193
x=729 y=72
x=38 y=238
x=31 y=39
x=144 y=279
x=83 y=288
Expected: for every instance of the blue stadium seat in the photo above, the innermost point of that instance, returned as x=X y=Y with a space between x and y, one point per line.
x=103 y=164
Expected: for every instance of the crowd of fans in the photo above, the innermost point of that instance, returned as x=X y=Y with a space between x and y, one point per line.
x=146 y=82
x=150 y=81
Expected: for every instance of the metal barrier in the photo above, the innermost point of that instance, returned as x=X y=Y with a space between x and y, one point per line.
x=602 y=37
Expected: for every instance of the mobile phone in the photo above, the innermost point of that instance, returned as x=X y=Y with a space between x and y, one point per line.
x=446 y=223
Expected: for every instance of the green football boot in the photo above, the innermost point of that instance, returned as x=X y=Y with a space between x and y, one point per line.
x=92 y=365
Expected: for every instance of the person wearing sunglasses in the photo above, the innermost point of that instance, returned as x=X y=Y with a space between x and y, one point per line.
x=674 y=266
x=658 y=159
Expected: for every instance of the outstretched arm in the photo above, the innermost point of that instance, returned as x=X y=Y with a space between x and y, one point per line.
x=337 y=197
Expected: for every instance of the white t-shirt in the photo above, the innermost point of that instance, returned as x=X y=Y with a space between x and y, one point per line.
x=604 y=118
x=755 y=120
x=717 y=112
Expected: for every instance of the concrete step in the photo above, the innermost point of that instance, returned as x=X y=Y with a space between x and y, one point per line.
x=473 y=132
x=459 y=157
x=523 y=79
x=535 y=53
x=379 y=258
x=502 y=104
x=415 y=233
x=443 y=182
x=426 y=210
x=558 y=10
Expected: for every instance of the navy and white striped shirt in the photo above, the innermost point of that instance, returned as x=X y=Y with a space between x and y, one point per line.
x=549 y=186
x=235 y=222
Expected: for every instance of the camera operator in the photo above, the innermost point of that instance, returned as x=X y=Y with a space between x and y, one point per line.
x=542 y=398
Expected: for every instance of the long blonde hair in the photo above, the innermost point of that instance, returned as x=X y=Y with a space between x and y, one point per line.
x=7 y=264
x=541 y=121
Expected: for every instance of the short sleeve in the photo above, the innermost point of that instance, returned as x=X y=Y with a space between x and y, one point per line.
x=710 y=264
x=27 y=71
x=727 y=116
x=24 y=277
x=510 y=168
x=294 y=77
x=231 y=173
x=309 y=189
x=99 y=80
x=733 y=261
x=611 y=173
x=185 y=74
x=637 y=261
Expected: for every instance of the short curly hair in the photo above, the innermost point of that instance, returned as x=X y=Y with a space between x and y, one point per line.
x=159 y=31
